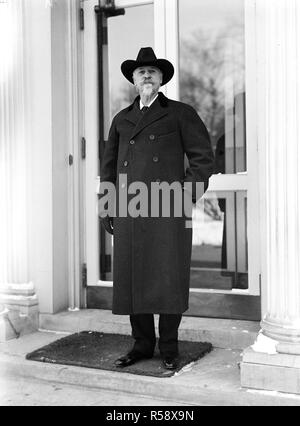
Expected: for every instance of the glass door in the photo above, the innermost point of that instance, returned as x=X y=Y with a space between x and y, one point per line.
x=118 y=36
x=215 y=57
x=125 y=35
x=212 y=80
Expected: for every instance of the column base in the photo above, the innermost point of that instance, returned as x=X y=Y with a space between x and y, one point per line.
x=19 y=314
x=6 y=330
x=285 y=332
x=270 y=371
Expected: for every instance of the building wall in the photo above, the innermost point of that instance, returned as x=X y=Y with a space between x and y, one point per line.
x=46 y=54
x=38 y=79
x=60 y=145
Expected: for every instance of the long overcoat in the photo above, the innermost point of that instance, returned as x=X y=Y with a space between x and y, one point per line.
x=152 y=255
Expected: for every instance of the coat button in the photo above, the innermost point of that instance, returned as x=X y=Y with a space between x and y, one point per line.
x=155 y=159
x=132 y=142
x=123 y=185
x=125 y=163
x=152 y=137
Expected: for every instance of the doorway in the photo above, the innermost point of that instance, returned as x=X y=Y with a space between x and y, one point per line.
x=211 y=75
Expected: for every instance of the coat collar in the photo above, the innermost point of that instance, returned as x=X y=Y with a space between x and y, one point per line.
x=156 y=112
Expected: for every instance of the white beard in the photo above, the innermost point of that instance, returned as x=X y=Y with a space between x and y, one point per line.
x=147 y=90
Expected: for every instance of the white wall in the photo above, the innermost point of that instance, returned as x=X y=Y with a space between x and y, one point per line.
x=45 y=30
x=60 y=126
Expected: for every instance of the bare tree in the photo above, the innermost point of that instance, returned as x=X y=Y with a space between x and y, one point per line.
x=125 y=96
x=207 y=62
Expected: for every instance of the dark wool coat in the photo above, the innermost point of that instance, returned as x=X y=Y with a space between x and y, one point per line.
x=152 y=255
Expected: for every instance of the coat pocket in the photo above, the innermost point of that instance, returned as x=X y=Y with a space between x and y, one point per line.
x=167 y=135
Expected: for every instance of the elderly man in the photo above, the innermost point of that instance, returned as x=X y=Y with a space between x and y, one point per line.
x=152 y=255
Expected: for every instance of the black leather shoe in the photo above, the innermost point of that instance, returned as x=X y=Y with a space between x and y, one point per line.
x=130 y=359
x=170 y=363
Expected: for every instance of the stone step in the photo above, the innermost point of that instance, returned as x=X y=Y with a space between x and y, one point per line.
x=214 y=380
x=222 y=333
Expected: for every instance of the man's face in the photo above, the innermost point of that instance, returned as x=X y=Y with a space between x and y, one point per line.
x=147 y=80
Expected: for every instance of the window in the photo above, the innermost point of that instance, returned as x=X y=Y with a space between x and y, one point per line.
x=212 y=80
x=212 y=74
x=126 y=35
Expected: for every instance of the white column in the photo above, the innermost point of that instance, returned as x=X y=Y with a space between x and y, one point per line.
x=40 y=127
x=16 y=290
x=273 y=362
x=13 y=161
x=282 y=176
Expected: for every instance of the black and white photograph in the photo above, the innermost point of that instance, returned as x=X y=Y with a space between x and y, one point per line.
x=149 y=206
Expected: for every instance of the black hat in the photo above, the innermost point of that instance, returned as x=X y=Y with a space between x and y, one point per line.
x=145 y=57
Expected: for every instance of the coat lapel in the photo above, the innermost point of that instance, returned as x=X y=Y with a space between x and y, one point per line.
x=156 y=112
x=133 y=114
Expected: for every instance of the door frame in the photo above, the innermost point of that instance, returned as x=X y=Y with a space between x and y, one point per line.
x=166 y=24
x=91 y=184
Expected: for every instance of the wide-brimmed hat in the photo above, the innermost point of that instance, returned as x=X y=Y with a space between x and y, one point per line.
x=145 y=57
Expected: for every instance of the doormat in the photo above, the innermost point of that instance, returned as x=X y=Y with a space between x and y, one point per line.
x=100 y=350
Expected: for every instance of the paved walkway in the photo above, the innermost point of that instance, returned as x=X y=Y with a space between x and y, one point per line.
x=33 y=392
x=213 y=380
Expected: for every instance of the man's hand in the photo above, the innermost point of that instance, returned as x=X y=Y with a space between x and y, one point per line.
x=108 y=222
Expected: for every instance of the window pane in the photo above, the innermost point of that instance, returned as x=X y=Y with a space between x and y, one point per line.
x=126 y=35
x=212 y=78
x=219 y=252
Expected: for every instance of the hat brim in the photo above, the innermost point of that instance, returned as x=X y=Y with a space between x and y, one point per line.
x=164 y=65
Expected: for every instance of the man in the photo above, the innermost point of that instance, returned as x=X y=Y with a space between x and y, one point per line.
x=152 y=255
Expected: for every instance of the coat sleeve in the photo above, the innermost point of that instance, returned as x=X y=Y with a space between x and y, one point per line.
x=108 y=166
x=197 y=147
